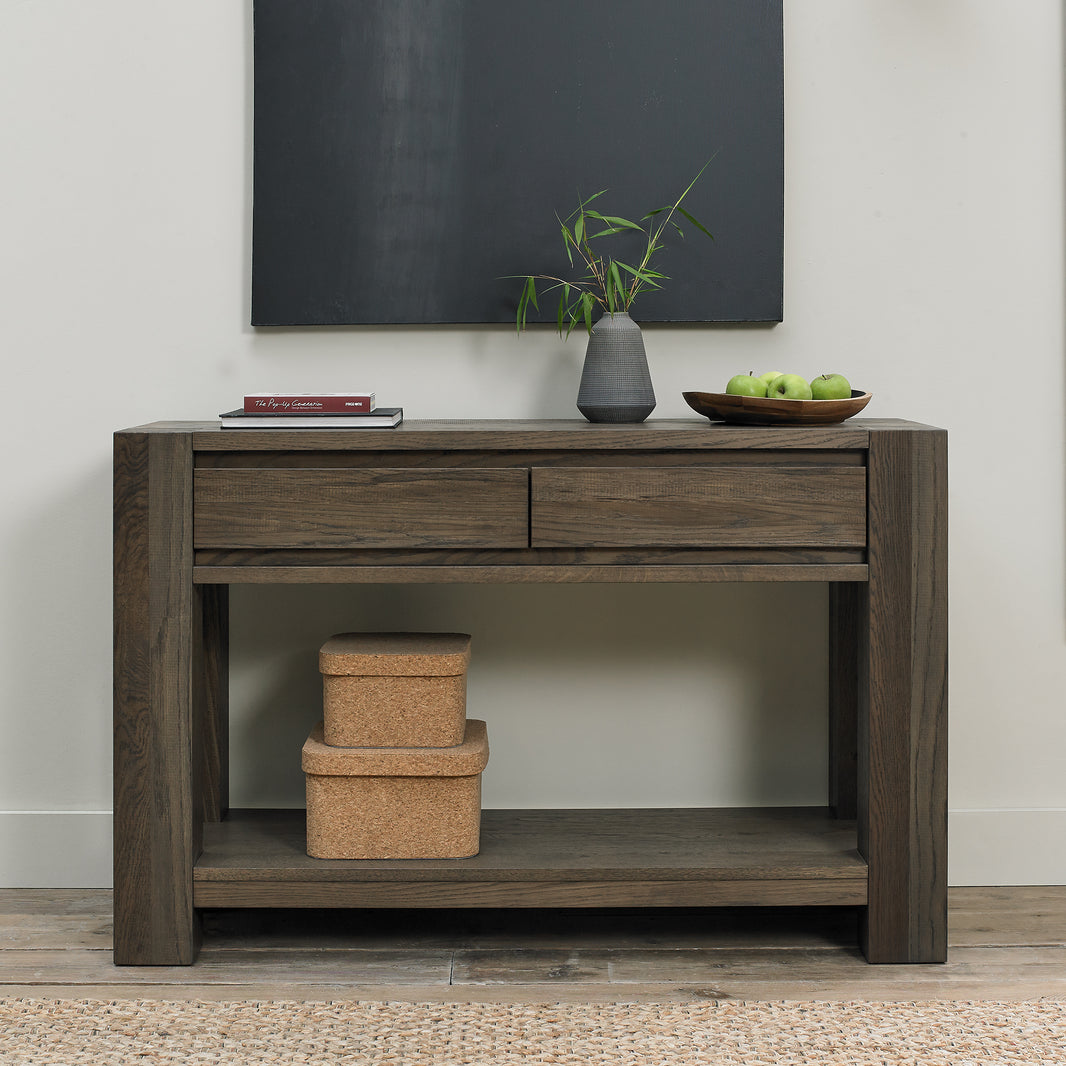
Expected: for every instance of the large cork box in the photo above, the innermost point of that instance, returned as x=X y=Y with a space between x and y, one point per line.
x=395 y=803
x=394 y=689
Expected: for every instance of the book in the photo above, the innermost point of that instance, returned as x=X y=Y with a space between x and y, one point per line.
x=337 y=403
x=379 y=418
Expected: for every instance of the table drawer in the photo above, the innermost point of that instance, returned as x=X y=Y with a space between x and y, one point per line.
x=726 y=506
x=360 y=508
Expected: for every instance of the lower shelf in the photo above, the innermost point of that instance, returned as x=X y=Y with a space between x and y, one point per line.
x=753 y=856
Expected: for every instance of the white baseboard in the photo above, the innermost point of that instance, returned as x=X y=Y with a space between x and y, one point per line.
x=1023 y=846
x=55 y=849
x=72 y=849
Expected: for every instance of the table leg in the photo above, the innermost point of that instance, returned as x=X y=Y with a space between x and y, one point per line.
x=212 y=711
x=158 y=629
x=846 y=617
x=902 y=795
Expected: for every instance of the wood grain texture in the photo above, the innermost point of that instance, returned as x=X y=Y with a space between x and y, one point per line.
x=846 y=974
x=1005 y=944
x=532 y=894
x=211 y=674
x=64 y=902
x=411 y=975
x=846 y=635
x=510 y=574
x=714 y=506
x=535 y=434
x=542 y=849
x=903 y=699
x=284 y=967
x=33 y=932
x=406 y=558
x=558 y=560
x=1015 y=916
x=463 y=459
x=316 y=523
x=379 y=508
x=157 y=820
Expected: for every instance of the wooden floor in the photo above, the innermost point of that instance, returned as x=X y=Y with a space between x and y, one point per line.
x=1004 y=943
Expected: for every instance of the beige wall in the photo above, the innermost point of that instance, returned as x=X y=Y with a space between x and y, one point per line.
x=924 y=258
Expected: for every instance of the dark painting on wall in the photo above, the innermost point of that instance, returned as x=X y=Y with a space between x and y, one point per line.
x=409 y=155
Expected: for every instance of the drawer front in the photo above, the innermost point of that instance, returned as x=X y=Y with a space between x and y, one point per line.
x=365 y=508
x=715 y=506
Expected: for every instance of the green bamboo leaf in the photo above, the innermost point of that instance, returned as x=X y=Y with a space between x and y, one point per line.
x=529 y=296
x=571 y=317
x=644 y=274
x=616 y=278
x=564 y=307
x=696 y=222
x=624 y=223
x=585 y=203
x=699 y=174
x=586 y=299
x=568 y=239
x=523 y=304
x=574 y=312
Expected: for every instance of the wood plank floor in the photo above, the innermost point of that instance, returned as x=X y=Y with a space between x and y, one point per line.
x=1004 y=943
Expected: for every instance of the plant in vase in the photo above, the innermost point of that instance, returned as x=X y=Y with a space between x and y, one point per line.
x=615 y=382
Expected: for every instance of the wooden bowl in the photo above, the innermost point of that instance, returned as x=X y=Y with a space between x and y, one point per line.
x=770 y=411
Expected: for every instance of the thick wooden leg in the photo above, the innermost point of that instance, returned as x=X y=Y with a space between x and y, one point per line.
x=212 y=709
x=902 y=796
x=846 y=636
x=157 y=629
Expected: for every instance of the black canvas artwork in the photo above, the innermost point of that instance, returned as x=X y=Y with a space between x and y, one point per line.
x=410 y=155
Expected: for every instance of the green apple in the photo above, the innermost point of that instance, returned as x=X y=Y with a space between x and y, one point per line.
x=746 y=385
x=831 y=387
x=769 y=376
x=789 y=387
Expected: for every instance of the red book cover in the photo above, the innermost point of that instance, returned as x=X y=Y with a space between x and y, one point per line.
x=295 y=403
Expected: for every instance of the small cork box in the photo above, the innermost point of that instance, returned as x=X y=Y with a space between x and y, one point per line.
x=395 y=690
x=395 y=803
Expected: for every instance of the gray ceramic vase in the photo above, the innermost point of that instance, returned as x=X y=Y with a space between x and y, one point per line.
x=615 y=382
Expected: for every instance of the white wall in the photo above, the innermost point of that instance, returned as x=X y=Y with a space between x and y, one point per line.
x=924 y=258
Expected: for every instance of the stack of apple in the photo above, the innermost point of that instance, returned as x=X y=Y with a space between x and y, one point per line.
x=779 y=386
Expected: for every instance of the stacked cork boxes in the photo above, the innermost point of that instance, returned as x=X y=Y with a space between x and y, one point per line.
x=394 y=769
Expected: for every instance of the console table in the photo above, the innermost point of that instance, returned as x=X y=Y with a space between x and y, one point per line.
x=861 y=506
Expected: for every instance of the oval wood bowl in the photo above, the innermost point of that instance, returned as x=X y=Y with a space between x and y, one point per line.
x=767 y=411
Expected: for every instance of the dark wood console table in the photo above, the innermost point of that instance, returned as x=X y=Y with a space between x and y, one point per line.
x=861 y=506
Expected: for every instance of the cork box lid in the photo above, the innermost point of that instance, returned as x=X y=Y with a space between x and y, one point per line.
x=463 y=760
x=395 y=654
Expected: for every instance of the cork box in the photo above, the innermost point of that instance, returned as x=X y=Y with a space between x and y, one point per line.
x=394 y=689
x=395 y=803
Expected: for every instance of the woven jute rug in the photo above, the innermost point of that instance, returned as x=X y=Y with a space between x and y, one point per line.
x=64 y=1032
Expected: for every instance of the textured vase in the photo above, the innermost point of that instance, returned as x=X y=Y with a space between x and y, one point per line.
x=615 y=382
